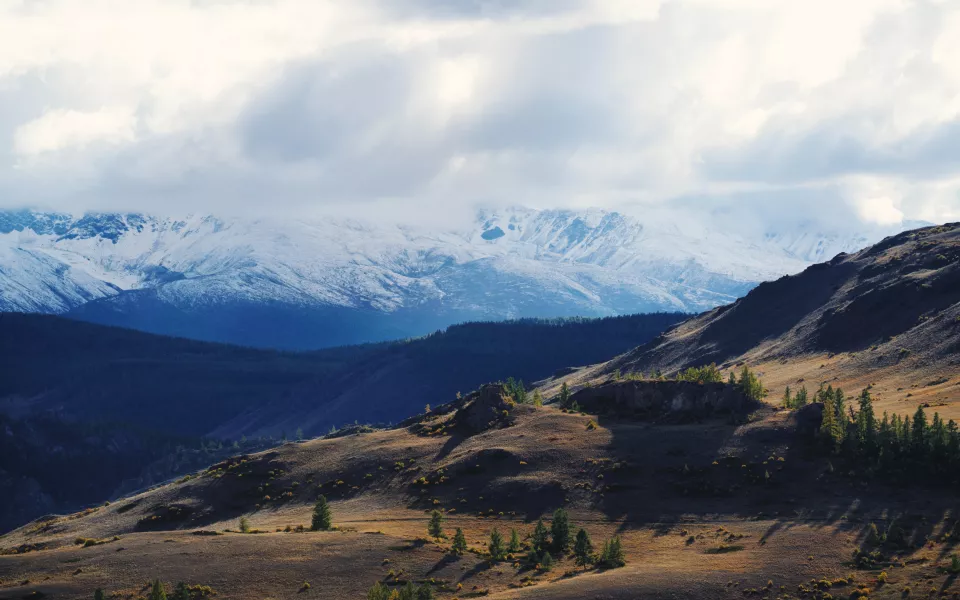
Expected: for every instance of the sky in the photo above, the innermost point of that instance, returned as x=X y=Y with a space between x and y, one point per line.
x=834 y=110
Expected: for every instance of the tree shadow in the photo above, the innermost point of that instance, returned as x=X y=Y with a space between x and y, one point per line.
x=443 y=563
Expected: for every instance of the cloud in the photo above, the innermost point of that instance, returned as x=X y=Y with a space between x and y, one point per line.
x=62 y=129
x=820 y=110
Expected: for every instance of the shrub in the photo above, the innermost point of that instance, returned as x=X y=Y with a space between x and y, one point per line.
x=181 y=592
x=99 y=595
x=244 y=525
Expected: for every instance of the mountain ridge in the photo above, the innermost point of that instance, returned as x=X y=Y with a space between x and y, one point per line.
x=338 y=281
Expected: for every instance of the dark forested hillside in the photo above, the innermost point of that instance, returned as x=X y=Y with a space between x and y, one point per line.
x=398 y=380
x=74 y=394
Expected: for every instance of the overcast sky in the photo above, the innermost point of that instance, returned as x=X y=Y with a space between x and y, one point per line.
x=821 y=108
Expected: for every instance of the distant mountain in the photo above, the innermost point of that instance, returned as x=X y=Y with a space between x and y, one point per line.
x=302 y=284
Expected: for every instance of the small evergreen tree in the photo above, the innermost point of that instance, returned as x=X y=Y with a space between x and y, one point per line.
x=497 y=550
x=424 y=592
x=435 y=527
x=99 y=595
x=560 y=531
x=564 y=395
x=378 y=592
x=537 y=398
x=181 y=592
x=459 y=546
x=801 y=399
x=408 y=592
x=540 y=538
x=244 y=525
x=787 y=398
x=546 y=561
x=612 y=556
x=157 y=592
x=583 y=549
x=918 y=433
x=514 y=546
x=322 y=516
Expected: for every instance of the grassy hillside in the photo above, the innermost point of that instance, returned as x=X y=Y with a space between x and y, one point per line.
x=718 y=508
x=887 y=317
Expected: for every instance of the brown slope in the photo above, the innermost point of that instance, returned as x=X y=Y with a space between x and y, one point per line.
x=886 y=316
x=676 y=492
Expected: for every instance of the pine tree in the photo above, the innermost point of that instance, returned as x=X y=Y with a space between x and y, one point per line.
x=583 y=549
x=378 y=592
x=839 y=403
x=537 y=398
x=801 y=399
x=244 y=525
x=322 y=516
x=459 y=543
x=424 y=592
x=733 y=379
x=787 y=399
x=612 y=556
x=920 y=431
x=408 y=592
x=497 y=551
x=866 y=424
x=539 y=539
x=514 y=546
x=828 y=427
x=560 y=531
x=435 y=527
x=99 y=595
x=564 y=395
x=157 y=592
x=181 y=592
x=546 y=561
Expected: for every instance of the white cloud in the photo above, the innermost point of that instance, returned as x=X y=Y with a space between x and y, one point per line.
x=61 y=129
x=307 y=103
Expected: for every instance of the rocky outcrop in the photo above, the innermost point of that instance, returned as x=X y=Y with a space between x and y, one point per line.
x=486 y=408
x=809 y=418
x=663 y=399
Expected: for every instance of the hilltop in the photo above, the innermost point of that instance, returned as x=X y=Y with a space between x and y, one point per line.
x=886 y=317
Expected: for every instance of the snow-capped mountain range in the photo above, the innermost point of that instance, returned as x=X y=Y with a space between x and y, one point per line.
x=312 y=283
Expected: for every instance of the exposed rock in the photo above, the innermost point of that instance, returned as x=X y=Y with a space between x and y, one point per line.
x=667 y=399
x=485 y=408
x=809 y=418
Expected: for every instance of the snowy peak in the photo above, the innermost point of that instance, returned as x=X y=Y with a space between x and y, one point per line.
x=514 y=262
